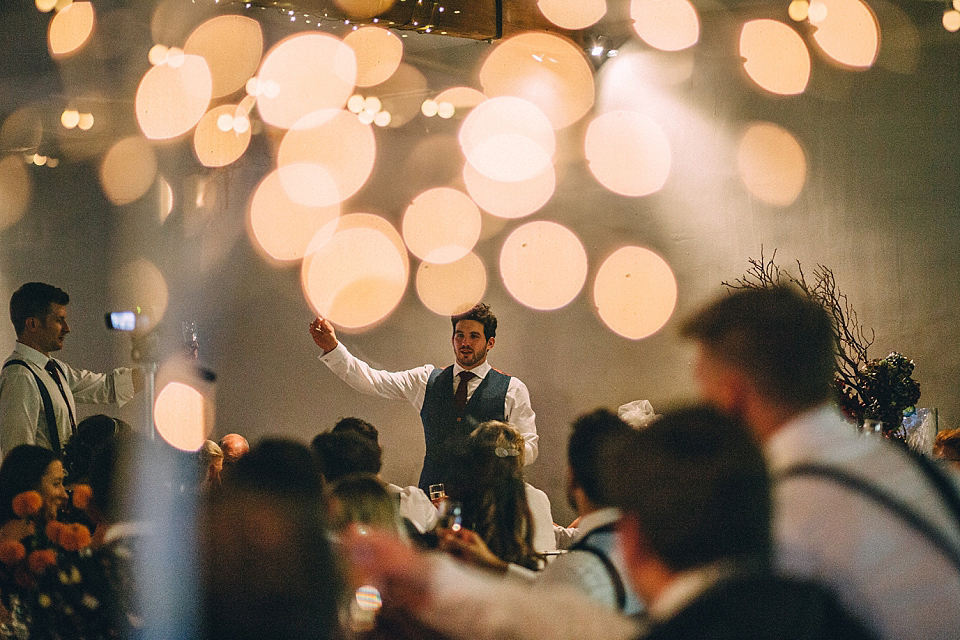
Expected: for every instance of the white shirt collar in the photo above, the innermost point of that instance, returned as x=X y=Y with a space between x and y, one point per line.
x=31 y=355
x=596 y=519
x=480 y=371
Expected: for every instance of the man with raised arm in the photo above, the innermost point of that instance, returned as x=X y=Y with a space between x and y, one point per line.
x=39 y=394
x=451 y=401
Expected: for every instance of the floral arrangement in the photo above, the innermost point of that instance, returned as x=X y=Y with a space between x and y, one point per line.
x=881 y=389
x=46 y=577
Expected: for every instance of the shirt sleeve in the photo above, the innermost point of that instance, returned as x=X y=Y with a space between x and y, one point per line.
x=520 y=414
x=410 y=385
x=466 y=604
x=20 y=408
x=417 y=508
x=99 y=388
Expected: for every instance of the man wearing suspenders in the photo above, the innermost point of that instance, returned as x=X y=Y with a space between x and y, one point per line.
x=875 y=521
x=38 y=394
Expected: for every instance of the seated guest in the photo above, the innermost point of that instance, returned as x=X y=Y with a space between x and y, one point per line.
x=593 y=564
x=362 y=498
x=267 y=566
x=30 y=467
x=339 y=453
x=80 y=449
x=946 y=446
x=495 y=499
x=210 y=465
x=694 y=497
x=234 y=446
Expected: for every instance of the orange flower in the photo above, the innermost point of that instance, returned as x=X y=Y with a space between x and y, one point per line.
x=40 y=560
x=12 y=552
x=27 y=504
x=81 y=496
x=55 y=531
x=74 y=537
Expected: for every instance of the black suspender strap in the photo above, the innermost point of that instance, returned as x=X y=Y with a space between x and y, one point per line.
x=619 y=589
x=47 y=405
x=892 y=504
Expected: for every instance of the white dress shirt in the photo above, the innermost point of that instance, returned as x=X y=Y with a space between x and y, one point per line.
x=883 y=570
x=416 y=507
x=22 y=417
x=411 y=385
x=585 y=571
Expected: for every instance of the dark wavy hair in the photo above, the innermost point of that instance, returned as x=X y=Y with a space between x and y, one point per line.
x=494 y=495
x=22 y=470
x=480 y=313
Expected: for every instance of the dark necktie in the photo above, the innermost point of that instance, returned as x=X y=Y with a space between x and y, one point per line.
x=460 y=397
x=54 y=372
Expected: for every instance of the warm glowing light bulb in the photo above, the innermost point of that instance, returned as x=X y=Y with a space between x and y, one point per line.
x=158 y=54
x=175 y=57
x=372 y=104
x=365 y=117
x=39 y=160
x=355 y=103
x=382 y=119
x=951 y=20
x=799 y=10
x=70 y=118
x=85 y=122
x=253 y=86
x=446 y=110
x=46 y=6
x=241 y=124
x=429 y=108
x=956 y=4
x=225 y=122
x=817 y=12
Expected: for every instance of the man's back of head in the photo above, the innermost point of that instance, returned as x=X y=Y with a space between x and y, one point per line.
x=696 y=483
x=359 y=426
x=584 y=452
x=778 y=337
x=345 y=452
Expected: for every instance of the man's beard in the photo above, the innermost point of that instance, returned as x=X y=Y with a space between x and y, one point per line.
x=472 y=359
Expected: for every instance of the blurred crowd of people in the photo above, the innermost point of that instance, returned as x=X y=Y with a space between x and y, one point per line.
x=758 y=512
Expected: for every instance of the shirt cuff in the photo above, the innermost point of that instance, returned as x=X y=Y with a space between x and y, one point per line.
x=336 y=355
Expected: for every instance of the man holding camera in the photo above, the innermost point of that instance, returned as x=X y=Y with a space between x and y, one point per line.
x=38 y=394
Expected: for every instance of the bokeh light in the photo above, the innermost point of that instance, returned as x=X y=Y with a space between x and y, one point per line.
x=454 y=287
x=128 y=170
x=628 y=153
x=140 y=284
x=16 y=190
x=850 y=33
x=364 y=9
x=356 y=276
x=441 y=225
x=508 y=139
x=70 y=28
x=165 y=200
x=232 y=46
x=460 y=98
x=216 y=146
x=951 y=20
x=336 y=143
x=775 y=56
x=772 y=164
x=635 y=292
x=510 y=199
x=798 y=10
x=545 y=69
x=179 y=413
x=573 y=14
x=378 y=52
x=282 y=227
x=668 y=25
x=171 y=100
x=543 y=265
x=310 y=72
x=402 y=94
